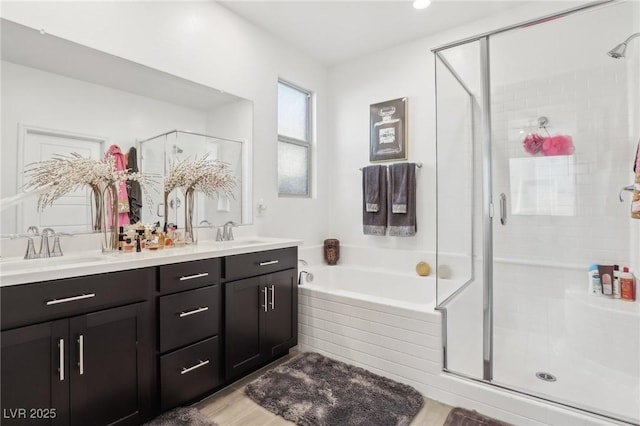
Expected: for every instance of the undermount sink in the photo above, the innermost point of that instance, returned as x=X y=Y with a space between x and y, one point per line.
x=11 y=265
x=236 y=243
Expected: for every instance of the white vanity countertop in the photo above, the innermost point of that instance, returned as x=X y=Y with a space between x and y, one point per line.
x=15 y=271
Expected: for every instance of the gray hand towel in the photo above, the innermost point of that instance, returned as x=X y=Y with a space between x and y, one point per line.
x=402 y=209
x=372 y=189
x=374 y=179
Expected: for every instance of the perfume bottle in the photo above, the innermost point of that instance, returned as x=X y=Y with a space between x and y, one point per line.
x=388 y=131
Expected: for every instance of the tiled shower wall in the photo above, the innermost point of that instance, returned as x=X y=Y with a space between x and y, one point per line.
x=542 y=313
x=590 y=105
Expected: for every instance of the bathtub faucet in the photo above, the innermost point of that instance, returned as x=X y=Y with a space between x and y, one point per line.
x=308 y=277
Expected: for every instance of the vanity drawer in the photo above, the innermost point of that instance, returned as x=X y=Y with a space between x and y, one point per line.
x=189 y=316
x=187 y=275
x=44 y=301
x=189 y=372
x=259 y=263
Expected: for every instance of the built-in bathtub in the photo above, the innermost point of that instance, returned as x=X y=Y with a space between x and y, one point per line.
x=378 y=320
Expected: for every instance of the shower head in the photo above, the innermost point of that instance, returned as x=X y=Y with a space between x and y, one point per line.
x=177 y=149
x=620 y=50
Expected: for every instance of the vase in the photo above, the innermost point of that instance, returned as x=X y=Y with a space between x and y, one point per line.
x=331 y=251
x=189 y=202
x=110 y=219
x=98 y=209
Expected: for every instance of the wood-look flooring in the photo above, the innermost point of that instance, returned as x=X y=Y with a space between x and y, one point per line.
x=231 y=407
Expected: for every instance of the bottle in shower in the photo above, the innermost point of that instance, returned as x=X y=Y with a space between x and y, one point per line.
x=616 y=282
x=595 y=287
x=606 y=278
x=627 y=285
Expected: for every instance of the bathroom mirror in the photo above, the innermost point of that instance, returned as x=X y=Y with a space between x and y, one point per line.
x=60 y=97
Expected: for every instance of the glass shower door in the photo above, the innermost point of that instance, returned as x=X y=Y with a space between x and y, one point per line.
x=459 y=188
x=561 y=150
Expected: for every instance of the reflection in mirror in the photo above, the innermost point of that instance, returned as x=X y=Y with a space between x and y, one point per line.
x=85 y=100
x=159 y=152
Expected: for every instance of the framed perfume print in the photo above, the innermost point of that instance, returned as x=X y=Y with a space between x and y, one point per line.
x=388 y=130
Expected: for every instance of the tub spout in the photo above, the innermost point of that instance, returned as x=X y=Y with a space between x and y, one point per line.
x=308 y=277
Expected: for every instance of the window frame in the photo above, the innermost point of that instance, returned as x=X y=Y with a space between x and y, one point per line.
x=299 y=142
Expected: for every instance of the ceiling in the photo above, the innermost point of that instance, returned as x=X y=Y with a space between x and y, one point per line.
x=333 y=31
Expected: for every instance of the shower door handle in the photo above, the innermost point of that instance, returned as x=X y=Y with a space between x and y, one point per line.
x=503 y=209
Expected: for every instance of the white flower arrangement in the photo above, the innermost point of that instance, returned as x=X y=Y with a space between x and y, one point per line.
x=62 y=174
x=210 y=177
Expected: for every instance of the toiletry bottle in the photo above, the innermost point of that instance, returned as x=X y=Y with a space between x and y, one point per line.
x=120 y=238
x=594 y=280
x=616 y=282
x=606 y=278
x=627 y=285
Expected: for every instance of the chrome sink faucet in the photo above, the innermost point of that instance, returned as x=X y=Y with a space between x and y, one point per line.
x=227 y=234
x=45 y=251
x=31 y=249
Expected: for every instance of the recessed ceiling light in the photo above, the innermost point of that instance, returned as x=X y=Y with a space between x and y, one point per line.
x=421 y=4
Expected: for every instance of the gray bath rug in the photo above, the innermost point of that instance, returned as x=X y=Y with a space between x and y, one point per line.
x=182 y=416
x=462 y=417
x=311 y=389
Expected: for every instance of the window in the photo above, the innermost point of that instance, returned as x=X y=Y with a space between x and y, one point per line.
x=294 y=140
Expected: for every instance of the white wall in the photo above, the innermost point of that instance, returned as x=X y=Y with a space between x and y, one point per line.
x=205 y=43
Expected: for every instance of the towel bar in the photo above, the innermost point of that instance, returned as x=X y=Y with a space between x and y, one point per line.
x=418 y=165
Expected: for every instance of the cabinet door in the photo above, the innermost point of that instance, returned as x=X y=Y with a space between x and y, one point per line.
x=281 y=331
x=35 y=378
x=244 y=323
x=105 y=363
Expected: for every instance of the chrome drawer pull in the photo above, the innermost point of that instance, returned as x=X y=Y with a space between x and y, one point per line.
x=71 y=299
x=265 y=306
x=61 y=365
x=200 y=364
x=195 y=311
x=190 y=277
x=269 y=262
x=81 y=352
x=273 y=297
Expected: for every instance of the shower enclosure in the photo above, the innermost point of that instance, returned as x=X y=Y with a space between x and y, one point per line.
x=158 y=153
x=537 y=129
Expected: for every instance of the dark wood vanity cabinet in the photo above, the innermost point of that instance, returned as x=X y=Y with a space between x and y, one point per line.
x=120 y=348
x=89 y=368
x=190 y=316
x=260 y=311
